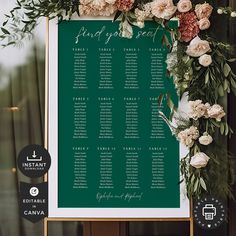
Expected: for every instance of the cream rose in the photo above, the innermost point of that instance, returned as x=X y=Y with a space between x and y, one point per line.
x=198 y=47
x=193 y=132
x=197 y=109
x=185 y=138
x=205 y=60
x=204 y=24
x=188 y=136
x=216 y=112
x=164 y=9
x=199 y=160
x=205 y=139
x=203 y=10
x=148 y=9
x=184 y=6
x=97 y=7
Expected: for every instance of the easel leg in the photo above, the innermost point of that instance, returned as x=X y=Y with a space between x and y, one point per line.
x=45 y=227
x=191 y=221
x=191 y=227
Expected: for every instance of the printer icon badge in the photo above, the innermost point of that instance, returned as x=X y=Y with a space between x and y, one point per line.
x=209 y=211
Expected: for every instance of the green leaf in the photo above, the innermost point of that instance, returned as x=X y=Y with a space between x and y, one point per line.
x=5 y=31
x=233 y=83
x=17 y=8
x=11 y=43
x=160 y=99
x=231 y=131
x=4 y=23
x=234 y=91
x=18 y=2
x=221 y=91
x=118 y=13
x=203 y=184
x=26 y=22
x=192 y=179
x=225 y=84
x=207 y=77
x=222 y=128
x=215 y=123
x=165 y=41
x=170 y=102
x=231 y=60
x=226 y=129
x=227 y=69
x=196 y=185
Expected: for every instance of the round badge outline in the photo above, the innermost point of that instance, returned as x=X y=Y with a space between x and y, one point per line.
x=31 y=154
x=198 y=208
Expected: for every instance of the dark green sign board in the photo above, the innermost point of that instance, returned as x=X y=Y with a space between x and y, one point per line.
x=114 y=151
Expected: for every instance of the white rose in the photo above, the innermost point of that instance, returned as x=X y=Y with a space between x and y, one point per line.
x=164 y=9
x=205 y=60
x=204 y=24
x=205 y=139
x=199 y=160
x=216 y=112
x=233 y=14
x=198 y=47
x=184 y=5
x=220 y=11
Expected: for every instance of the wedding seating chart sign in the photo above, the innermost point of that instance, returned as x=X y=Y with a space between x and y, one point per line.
x=112 y=155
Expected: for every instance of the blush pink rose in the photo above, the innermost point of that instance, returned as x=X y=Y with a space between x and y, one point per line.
x=164 y=9
x=199 y=160
x=198 y=47
x=184 y=6
x=204 y=24
x=205 y=60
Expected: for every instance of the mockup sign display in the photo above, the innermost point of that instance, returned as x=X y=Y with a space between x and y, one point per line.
x=112 y=155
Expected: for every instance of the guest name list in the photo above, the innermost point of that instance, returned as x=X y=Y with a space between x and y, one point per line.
x=114 y=149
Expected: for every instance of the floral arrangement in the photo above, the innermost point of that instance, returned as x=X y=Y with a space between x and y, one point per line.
x=199 y=65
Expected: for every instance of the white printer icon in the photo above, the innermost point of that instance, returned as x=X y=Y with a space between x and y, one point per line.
x=209 y=211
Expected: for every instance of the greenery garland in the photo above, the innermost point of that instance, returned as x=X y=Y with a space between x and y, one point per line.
x=199 y=65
